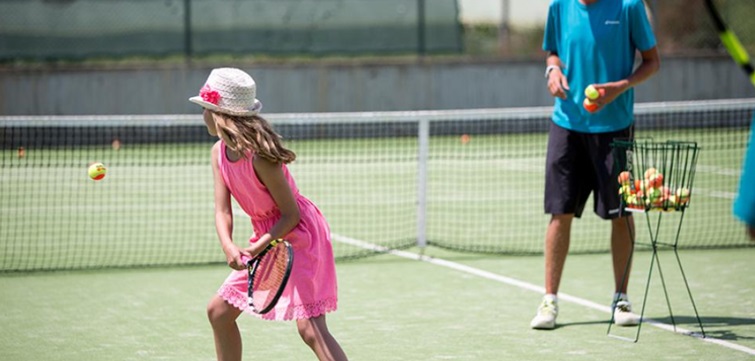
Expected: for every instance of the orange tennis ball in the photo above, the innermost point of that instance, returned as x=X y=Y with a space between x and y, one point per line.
x=97 y=171
x=650 y=172
x=656 y=180
x=624 y=177
x=590 y=106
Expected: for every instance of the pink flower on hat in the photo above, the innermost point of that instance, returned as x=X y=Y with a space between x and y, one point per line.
x=209 y=95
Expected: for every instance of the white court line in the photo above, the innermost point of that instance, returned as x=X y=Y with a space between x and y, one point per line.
x=528 y=286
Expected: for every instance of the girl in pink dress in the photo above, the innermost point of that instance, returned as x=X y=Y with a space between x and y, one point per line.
x=249 y=163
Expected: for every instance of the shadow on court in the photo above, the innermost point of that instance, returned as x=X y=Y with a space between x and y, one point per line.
x=715 y=327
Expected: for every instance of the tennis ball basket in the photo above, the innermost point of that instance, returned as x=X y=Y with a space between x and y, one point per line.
x=657 y=176
x=655 y=179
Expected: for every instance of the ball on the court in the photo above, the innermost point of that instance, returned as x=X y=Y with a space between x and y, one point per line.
x=116 y=144
x=592 y=93
x=97 y=171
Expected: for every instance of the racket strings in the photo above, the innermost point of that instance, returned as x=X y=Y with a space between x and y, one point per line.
x=269 y=276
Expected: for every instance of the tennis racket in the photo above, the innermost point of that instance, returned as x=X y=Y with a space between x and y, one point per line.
x=268 y=274
x=731 y=42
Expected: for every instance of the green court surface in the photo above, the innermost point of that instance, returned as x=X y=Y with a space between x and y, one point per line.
x=122 y=269
x=450 y=307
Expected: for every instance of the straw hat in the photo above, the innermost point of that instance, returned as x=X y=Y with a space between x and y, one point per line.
x=229 y=90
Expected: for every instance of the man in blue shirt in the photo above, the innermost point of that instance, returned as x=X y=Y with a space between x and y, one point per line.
x=590 y=42
x=744 y=206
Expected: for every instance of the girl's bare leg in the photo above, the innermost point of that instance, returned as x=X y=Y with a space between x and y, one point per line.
x=223 y=317
x=314 y=332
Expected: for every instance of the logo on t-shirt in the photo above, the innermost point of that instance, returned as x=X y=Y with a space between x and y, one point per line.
x=612 y=22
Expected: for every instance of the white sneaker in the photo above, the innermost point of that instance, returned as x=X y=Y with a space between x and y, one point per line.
x=546 y=315
x=622 y=314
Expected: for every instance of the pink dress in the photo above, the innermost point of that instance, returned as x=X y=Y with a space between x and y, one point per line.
x=312 y=288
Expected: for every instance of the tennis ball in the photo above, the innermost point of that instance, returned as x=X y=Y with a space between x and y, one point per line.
x=97 y=171
x=116 y=144
x=682 y=195
x=590 y=106
x=624 y=178
x=592 y=93
x=655 y=180
x=655 y=193
x=672 y=201
x=650 y=172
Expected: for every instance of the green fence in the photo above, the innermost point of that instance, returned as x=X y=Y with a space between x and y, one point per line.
x=76 y=29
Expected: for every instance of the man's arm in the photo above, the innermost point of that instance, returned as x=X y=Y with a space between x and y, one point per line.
x=557 y=84
x=651 y=63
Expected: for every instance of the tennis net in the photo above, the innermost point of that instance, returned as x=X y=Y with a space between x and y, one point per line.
x=468 y=180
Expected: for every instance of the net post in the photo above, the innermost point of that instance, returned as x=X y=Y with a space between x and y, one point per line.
x=423 y=151
x=188 y=51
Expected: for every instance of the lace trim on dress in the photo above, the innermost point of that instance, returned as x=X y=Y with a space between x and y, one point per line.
x=233 y=297
x=311 y=310
x=295 y=312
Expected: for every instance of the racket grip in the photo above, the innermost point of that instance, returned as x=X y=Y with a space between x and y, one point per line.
x=246 y=259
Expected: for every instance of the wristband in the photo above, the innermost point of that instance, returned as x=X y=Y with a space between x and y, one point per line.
x=549 y=69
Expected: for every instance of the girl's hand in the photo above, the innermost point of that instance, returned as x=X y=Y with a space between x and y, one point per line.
x=236 y=257
x=256 y=248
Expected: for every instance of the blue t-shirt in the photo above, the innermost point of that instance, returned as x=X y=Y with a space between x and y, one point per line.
x=596 y=43
x=744 y=205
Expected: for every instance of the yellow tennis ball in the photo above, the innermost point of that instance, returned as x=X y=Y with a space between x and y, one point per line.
x=97 y=171
x=592 y=93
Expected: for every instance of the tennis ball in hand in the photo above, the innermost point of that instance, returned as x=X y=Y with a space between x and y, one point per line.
x=592 y=93
x=590 y=106
x=97 y=171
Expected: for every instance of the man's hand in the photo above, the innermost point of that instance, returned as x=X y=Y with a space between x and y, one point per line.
x=557 y=84
x=609 y=92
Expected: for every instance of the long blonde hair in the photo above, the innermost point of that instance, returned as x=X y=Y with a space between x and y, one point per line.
x=242 y=133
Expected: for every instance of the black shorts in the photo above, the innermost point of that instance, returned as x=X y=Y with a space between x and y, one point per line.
x=578 y=164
